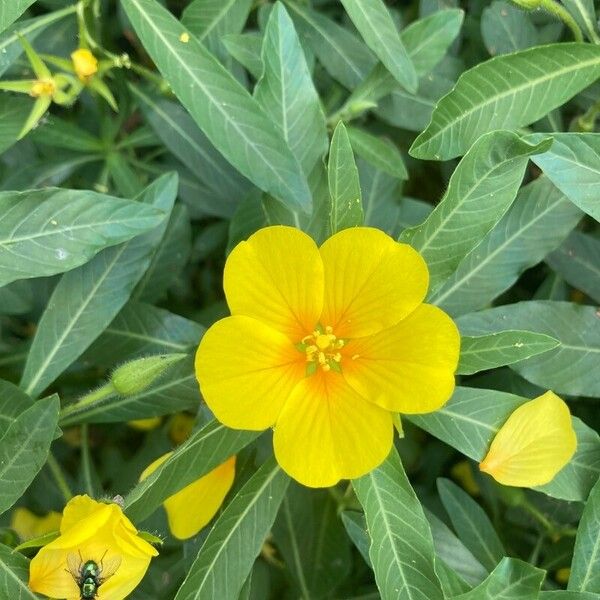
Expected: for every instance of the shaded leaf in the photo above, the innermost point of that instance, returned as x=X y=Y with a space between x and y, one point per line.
x=380 y=152
x=506 y=28
x=14 y=574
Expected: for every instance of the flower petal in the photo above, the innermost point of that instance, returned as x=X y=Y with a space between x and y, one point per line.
x=327 y=432
x=246 y=372
x=408 y=368
x=276 y=277
x=371 y=281
x=534 y=444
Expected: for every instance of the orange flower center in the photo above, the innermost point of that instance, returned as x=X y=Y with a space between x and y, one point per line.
x=322 y=349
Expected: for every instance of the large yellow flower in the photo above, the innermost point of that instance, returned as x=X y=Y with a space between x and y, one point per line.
x=323 y=345
x=94 y=531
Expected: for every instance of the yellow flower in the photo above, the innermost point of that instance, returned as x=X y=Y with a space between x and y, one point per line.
x=534 y=444
x=181 y=427
x=192 y=507
x=323 y=345
x=42 y=87
x=145 y=424
x=94 y=531
x=28 y=525
x=84 y=63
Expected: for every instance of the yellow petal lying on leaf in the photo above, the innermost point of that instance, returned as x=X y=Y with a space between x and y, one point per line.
x=192 y=507
x=534 y=444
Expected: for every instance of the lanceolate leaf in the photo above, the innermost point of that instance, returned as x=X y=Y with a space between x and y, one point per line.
x=11 y=11
x=506 y=28
x=287 y=93
x=206 y=449
x=538 y=221
x=401 y=544
x=570 y=367
x=14 y=573
x=380 y=152
x=24 y=448
x=13 y=402
x=226 y=557
x=585 y=568
x=226 y=113
x=499 y=94
x=503 y=348
x=480 y=191
x=43 y=232
x=376 y=26
x=86 y=300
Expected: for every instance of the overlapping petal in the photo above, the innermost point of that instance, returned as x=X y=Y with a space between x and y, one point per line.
x=408 y=368
x=327 y=432
x=246 y=371
x=276 y=277
x=371 y=281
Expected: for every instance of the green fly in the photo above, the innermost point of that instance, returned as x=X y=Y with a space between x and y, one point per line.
x=90 y=575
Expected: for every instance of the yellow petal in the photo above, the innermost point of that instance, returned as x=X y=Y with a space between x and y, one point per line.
x=80 y=508
x=534 y=444
x=276 y=277
x=246 y=371
x=327 y=432
x=28 y=525
x=408 y=368
x=371 y=281
x=145 y=424
x=84 y=63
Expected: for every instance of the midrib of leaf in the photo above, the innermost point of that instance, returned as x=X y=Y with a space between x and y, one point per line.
x=232 y=530
x=591 y=561
x=199 y=83
x=145 y=338
x=512 y=91
x=295 y=550
x=461 y=417
x=325 y=38
x=218 y=17
x=587 y=265
x=71 y=324
x=24 y=587
x=588 y=23
x=457 y=284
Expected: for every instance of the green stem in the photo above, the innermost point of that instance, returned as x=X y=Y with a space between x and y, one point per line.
x=86 y=461
x=564 y=15
x=59 y=477
x=94 y=396
x=587 y=121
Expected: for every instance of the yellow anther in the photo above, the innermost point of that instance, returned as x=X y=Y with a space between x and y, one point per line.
x=323 y=341
x=326 y=367
x=329 y=329
x=321 y=348
x=356 y=356
x=322 y=358
x=337 y=357
x=339 y=344
x=42 y=87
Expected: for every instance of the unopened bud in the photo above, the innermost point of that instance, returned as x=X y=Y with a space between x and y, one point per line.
x=135 y=376
x=84 y=63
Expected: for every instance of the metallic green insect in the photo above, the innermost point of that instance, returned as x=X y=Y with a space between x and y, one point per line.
x=90 y=575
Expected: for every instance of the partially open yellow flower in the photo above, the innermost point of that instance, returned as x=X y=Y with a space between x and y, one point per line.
x=42 y=87
x=192 y=507
x=324 y=345
x=84 y=63
x=534 y=444
x=94 y=531
x=28 y=525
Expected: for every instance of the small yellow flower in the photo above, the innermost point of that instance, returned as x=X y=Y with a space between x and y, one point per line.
x=84 y=63
x=324 y=345
x=95 y=531
x=181 y=427
x=42 y=87
x=534 y=444
x=145 y=424
x=192 y=507
x=28 y=525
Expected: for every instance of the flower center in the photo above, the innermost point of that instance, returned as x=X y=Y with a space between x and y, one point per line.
x=42 y=87
x=322 y=350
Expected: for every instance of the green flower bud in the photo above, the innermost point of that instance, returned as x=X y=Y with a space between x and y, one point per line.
x=528 y=4
x=135 y=376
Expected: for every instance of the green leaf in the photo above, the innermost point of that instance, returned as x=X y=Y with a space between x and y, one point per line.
x=356 y=528
x=312 y=541
x=176 y=391
x=204 y=450
x=401 y=544
x=344 y=186
x=472 y=524
x=570 y=367
x=380 y=152
x=231 y=119
x=377 y=28
x=185 y=140
x=43 y=232
x=481 y=189
x=14 y=574
x=506 y=92
x=506 y=28
x=13 y=402
x=286 y=91
x=585 y=567
x=577 y=261
x=16 y=298
x=484 y=352
x=538 y=221
x=512 y=579
x=14 y=112
x=24 y=448
x=142 y=330
x=564 y=595
x=472 y=417
x=58 y=133
x=226 y=557
x=11 y=11
x=246 y=48
x=584 y=13
x=342 y=55
x=573 y=165
x=87 y=299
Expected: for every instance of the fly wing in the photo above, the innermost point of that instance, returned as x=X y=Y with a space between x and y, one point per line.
x=109 y=567
x=74 y=565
